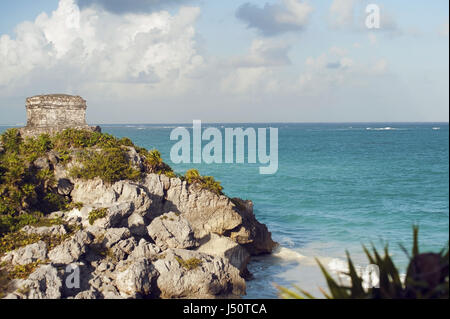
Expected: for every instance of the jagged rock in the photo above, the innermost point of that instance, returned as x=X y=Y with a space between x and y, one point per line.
x=27 y=255
x=116 y=215
x=172 y=231
x=87 y=295
x=137 y=278
x=97 y=232
x=253 y=235
x=145 y=250
x=114 y=235
x=57 y=230
x=105 y=266
x=209 y=213
x=64 y=187
x=44 y=283
x=123 y=248
x=213 y=277
x=137 y=225
x=205 y=211
x=230 y=250
x=72 y=249
x=96 y=193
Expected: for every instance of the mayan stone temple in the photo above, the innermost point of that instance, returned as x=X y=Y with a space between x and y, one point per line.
x=55 y=112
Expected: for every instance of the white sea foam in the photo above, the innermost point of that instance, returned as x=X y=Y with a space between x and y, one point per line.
x=436 y=128
x=338 y=267
x=288 y=254
x=381 y=128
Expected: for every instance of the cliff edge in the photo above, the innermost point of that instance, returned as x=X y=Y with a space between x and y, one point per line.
x=126 y=224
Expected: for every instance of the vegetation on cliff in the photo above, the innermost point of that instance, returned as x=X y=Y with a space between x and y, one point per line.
x=205 y=182
x=28 y=187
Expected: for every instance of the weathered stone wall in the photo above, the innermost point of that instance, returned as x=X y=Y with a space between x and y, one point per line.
x=56 y=110
x=53 y=113
x=41 y=117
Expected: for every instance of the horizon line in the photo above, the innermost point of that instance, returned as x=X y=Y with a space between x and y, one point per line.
x=259 y=122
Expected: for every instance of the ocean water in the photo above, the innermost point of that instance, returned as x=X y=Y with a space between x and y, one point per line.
x=338 y=186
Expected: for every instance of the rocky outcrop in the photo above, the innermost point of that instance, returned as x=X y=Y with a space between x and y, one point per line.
x=172 y=231
x=97 y=193
x=27 y=255
x=224 y=247
x=205 y=211
x=44 y=283
x=209 y=276
x=57 y=230
x=137 y=278
x=72 y=249
x=157 y=237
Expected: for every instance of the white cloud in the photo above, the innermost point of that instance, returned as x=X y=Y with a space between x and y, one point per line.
x=342 y=13
x=274 y=19
x=92 y=47
x=336 y=70
x=256 y=71
x=265 y=53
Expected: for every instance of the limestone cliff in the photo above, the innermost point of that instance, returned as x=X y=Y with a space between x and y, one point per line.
x=151 y=237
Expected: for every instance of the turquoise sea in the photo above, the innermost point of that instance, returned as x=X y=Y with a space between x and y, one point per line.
x=338 y=186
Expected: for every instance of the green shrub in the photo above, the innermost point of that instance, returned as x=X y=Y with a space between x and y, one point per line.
x=16 y=240
x=53 y=202
x=427 y=277
x=111 y=165
x=11 y=140
x=193 y=176
x=205 y=182
x=33 y=148
x=97 y=214
x=23 y=271
x=155 y=164
x=73 y=205
x=125 y=141
x=22 y=186
x=72 y=138
x=9 y=223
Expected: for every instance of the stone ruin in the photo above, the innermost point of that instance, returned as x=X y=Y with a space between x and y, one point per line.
x=53 y=113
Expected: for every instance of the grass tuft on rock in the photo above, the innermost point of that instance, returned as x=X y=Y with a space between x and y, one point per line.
x=193 y=176
x=16 y=240
x=97 y=214
x=189 y=264
x=155 y=164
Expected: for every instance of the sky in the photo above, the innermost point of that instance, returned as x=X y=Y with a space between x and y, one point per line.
x=175 y=61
